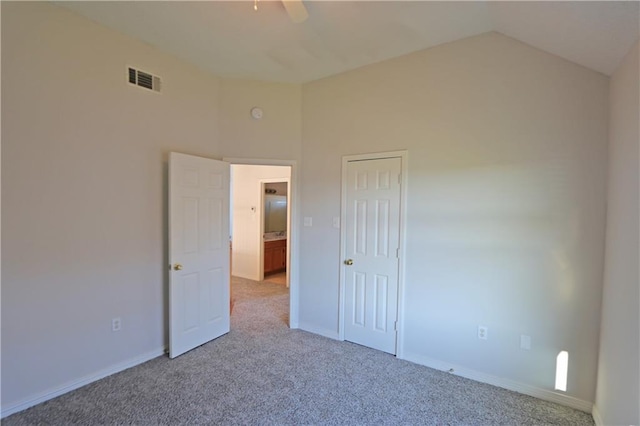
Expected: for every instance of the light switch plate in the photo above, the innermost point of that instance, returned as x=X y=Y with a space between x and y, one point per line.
x=525 y=342
x=308 y=221
x=336 y=222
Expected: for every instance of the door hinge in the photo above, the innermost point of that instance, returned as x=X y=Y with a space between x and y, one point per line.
x=395 y=325
x=398 y=253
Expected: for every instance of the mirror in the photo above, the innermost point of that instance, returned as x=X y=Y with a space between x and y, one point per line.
x=275 y=213
x=275 y=208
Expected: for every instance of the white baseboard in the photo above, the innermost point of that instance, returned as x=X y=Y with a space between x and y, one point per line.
x=331 y=334
x=75 y=384
x=523 y=388
x=597 y=418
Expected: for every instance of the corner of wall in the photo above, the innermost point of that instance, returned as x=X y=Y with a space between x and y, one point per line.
x=595 y=413
x=501 y=382
x=41 y=397
x=331 y=334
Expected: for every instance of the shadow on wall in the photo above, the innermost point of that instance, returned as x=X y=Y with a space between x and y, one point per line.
x=508 y=242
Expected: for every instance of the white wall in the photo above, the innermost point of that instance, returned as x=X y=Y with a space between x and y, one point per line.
x=506 y=203
x=247 y=216
x=276 y=136
x=618 y=367
x=507 y=150
x=84 y=191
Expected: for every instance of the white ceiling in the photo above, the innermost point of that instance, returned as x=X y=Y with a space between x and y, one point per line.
x=230 y=39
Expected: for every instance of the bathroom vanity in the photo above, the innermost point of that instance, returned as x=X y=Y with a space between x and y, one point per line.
x=275 y=256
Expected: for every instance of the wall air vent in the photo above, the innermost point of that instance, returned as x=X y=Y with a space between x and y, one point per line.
x=144 y=79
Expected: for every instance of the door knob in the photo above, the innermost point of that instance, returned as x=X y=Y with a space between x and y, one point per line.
x=348 y=262
x=177 y=267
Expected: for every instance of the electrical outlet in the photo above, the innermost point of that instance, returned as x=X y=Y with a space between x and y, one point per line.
x=483 y=332
x=116 y=324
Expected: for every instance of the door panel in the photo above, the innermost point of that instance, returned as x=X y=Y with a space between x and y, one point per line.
x=380 y=303
x=372 y=241
x=359 y=299
x=382 y=228
x=198 y=242
x=190 y=284
x=214 y=304
x=360 y=227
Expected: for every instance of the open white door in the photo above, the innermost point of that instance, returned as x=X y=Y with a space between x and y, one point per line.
x=372 y=238
x=198 y=251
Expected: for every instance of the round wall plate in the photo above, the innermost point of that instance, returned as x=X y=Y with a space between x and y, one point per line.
x=256 y=113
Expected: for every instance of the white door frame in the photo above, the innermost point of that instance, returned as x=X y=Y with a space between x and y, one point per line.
x=293 y=239
x=404 y=157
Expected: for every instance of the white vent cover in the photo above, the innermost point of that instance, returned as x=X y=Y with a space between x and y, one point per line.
x=144 y=79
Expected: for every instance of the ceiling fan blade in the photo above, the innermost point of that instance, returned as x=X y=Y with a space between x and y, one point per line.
x=296 y=10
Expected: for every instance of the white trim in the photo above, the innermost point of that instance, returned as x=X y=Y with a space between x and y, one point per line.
x=404 y=169
x=403 y=249
x=83 y=381
x=343 y=247
x=324 y=332
x=294 y=238
x=259 y=161
x=544 y=394
x=597 y=418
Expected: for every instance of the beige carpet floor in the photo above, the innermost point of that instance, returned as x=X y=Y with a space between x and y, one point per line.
x=277 y=278
x=263 y=373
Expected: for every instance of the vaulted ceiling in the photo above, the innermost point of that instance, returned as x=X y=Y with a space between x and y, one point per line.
x=231 y=39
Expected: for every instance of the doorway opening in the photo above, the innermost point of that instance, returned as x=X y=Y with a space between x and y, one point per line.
x=262 y=212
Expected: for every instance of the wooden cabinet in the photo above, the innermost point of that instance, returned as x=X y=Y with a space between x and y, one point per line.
x=275 y=256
